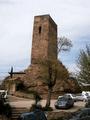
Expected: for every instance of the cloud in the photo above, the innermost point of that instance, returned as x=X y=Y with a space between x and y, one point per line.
x=16 y=24
x=6 y=1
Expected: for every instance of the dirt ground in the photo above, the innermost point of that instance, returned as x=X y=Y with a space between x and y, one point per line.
x=23 y=102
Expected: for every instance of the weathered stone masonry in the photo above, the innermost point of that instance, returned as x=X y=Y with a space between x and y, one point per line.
x=44 y=43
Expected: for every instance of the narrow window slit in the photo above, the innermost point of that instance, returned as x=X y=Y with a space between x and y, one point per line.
x=40 y=30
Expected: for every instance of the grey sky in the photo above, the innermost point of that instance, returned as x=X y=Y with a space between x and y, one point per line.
x=16 y=24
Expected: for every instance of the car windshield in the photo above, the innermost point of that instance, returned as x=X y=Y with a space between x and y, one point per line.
x=62 y=99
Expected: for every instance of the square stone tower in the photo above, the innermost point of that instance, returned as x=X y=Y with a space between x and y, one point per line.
x=44 y=41
x=44 y=46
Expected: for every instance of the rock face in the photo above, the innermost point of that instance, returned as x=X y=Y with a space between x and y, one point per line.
x=44 y=47
x=36 y=80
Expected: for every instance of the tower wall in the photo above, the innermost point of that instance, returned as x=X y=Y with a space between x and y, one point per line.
x=44 y=43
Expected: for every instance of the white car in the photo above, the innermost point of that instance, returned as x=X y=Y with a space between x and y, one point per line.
x=83 y=97
x=80 y=98
x=87 y=93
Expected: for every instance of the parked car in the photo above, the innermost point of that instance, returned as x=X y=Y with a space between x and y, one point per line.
x=87 y=93
x=3 y=94
x=64 y=103
x=35 y=115
x=80 y=97
x=83 y=114
x=69 y=95
x=83 y=97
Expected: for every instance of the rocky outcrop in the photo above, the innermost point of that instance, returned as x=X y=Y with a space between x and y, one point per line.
x=34 y=80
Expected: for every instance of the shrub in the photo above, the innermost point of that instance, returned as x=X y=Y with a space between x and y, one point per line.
x=36 y=106
x=47 y=108
x=32 y=108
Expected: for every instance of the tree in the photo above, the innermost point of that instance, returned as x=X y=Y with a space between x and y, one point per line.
x=64 y=44
x=53 y=68
x=83 y=64
x=50 y=78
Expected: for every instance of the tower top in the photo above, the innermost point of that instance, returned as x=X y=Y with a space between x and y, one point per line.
x=46 y=16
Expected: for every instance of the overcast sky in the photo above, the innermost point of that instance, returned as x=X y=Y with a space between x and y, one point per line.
x=16 y=25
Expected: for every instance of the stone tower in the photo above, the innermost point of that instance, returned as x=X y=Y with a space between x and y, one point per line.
x=44 y=46
x=44 y=41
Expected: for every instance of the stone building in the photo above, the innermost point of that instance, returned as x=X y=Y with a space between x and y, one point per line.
x=44 y=47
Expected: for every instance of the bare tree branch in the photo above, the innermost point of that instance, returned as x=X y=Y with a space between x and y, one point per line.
x=64 y=44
